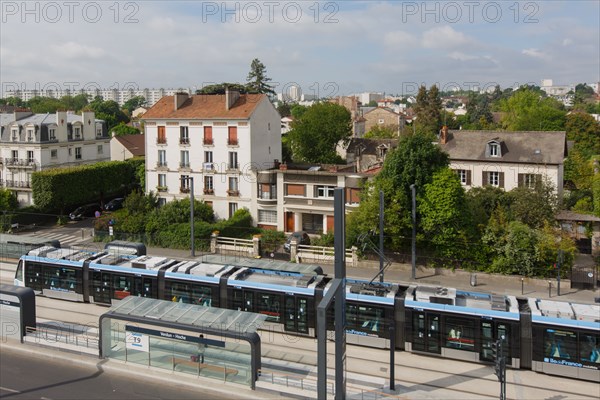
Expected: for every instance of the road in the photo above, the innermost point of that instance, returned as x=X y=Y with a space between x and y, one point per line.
x=25 y=375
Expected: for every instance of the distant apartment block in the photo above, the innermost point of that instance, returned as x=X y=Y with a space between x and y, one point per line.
x=35 y=142
x=121 y=96
x=219 y=141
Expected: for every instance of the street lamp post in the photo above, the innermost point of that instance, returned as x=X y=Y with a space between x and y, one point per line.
x=190 y=180
x=414 y=232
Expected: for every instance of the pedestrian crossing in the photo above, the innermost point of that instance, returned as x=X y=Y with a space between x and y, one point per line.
x=65 y=240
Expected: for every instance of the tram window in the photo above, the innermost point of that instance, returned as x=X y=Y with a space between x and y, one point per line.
x=178 y=292
x=238 y=299
x=202 y=295
x=460 y=333
x=351 y=318
x=302 y=317
x=60 y=278
x=122 y=286
x=370 y=319
x=269 y=305
x=589 y=348
x=560 y=344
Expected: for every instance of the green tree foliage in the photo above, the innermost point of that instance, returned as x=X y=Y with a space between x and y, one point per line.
x=12 y=101
x=372 y=103
x=527 y=110
x=297 y=111
x=428 y=111
x=578 y=168
x=178 y=211
x=382 y=132
x=42 y=105
x=133 y=103
x=220 y=88
x=534 y=206
x=59 y=188
x=257 y=78
x=8 y=200
x=414 y=161
x=482 y=201
x=314 y=137
x=479 y=113
x=284 y=110
x=585 y=131
x=445 y=218
x=108 y=111
x=122 y=129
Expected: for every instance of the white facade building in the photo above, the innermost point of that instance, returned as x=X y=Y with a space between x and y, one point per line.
x=218 y=140
x=34 y=142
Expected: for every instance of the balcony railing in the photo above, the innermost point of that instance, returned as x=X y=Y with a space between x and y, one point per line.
x=208 y=166
x=184 y=189
x=233 y=193
x=233 y=167
x=209 y=191
x=161 y=141
x=161 y=164
x=20 y=163
x=17 y=184
x=184 y=140
x=232 y=142
x=185 y=165
x=162 y=188
x=208 y=141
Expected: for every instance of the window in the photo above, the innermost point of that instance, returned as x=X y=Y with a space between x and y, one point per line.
x=325 y=191
x=162 y=135
x=381 y=151
x=232 y=209
x=295 y=190
x=267 y=191
x=184 y=135
x=208 y=156
x=54 y=153
x=185 y=184
x=15 y=135
x=70 y=152
x=232 y=139
x=52 y=134
x=185 y=159
x=100 y=149
x=267 y=216
x=460 y=334
x=352 y=196
x=77 y=132
x=78 y=153
x=529 y=180
x=162 y=183
x=208 y=138
x=493 y=178
x=269 y=305
x=162 y=158
x=30 y=136
x=98 y=131
x=559 y=344
x=208 y=185
x=233 y=186
x=30 y=156
x=15 y=155
x=589 y=348
x=233 y=160
x=464 y=176
x=494 y=149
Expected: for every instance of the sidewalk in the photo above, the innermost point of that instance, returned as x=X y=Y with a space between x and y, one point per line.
x=488 y=283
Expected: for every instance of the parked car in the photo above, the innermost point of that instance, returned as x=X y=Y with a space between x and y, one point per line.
x=301 y=237
x=88 y=210
x=114 y=204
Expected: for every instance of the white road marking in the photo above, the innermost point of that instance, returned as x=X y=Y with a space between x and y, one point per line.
x=9 y=390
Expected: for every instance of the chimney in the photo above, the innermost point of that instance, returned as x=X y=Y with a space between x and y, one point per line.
x=179 y=99
x=61 y=118
x=22 y=113
x=231 y=96
x=444 y=135
x=276 y=164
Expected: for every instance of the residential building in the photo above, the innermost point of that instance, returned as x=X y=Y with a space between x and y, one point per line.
x=384 y=117
x=367 y=97
x=300 y=198
x=367 y=155
x=218 y=140
x=506 y=159
x=35 y=142
x=127 y=146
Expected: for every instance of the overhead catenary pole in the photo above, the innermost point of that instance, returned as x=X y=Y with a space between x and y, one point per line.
x=381 y=214
x=414 y=231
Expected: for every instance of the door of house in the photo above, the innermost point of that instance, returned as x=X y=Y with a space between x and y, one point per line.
x=289 y=222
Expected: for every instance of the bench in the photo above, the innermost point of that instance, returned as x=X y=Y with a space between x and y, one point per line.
x=202 y=366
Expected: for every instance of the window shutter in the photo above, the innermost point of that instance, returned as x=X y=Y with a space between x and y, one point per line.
x=501 y=176
x=487 y=150
x=484 y=179
x=521 y=180
x=469 y=177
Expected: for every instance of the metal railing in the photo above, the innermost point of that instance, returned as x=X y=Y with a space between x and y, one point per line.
x=58 y=336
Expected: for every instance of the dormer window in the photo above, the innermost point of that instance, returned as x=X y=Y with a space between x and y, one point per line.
x=493 y=149
x=15 y=135
x=381 y=151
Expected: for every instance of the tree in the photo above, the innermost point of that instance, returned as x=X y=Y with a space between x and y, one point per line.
x=315 y=136
x=219 y=88
x=108 y=111
x=297 y=111
x=585 y=131
x=372 y=103
x=12 y=101
x=382 y=132
x=479 y=112
x=257 y=78
x=527 y=110
x=284 y=110
x=123 y=129
x=133 y=103
x=43 y=105
x=428 y=111
x=482 y=202
x=534 y=206
x=414 y=161
x=8 y=200
x=445 y=218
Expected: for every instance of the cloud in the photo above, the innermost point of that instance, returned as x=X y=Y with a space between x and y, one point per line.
x=399 y=39
x=534 y=53
x=72 y=50
x=445 y=37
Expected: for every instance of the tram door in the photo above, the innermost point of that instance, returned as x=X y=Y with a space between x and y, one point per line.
x=101 y=287
x=142 y=287
x=490 y=332
x=295 y=314
x=33 y=276
x=426 y=332
x=243 y=300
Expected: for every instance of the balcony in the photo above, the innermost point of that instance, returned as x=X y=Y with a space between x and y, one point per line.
x=161 y=141
x=233 y=193
x=11 y=184
x=184 y=141
x=185 y=166
x=208 y=141
x=184 y=189
x=232 y=142
x=161 y=165
x=20 y=163
x=209 y=191
x=208 y=167
x=267 y=198
x=162 y=189
x=233 y=167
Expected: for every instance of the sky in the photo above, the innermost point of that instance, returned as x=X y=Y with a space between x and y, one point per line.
x=325 y=48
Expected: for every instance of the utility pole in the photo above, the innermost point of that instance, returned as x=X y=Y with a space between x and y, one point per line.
x=190 y=180
x=414 y=231
x=500 y=365
x=381 y=236
x=558 y=265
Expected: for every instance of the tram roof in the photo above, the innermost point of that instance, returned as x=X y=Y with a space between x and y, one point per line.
x=224 y=320
x=261 y=263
